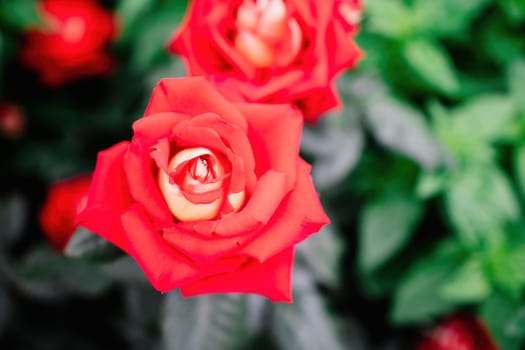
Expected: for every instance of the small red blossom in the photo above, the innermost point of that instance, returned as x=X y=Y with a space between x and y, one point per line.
x=65 y=200
x=12 y=121
x=71 y=41
x=458 y=332
x=272 y=51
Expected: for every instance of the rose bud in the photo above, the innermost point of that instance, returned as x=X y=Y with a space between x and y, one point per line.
x=209 y=196
x=458 y=332
x=65 y=200
x=71 y=42
x=12 y=121
x=272 y=51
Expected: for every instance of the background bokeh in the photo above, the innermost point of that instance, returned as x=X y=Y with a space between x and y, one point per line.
x=422 y=174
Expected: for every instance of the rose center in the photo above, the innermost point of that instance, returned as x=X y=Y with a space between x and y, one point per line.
x=193 y=185
x=266 y=33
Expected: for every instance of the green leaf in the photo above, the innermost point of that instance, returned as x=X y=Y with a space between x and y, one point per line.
x=430 y=184
x=322 y=253
x=386 y=226
x=391 y=18
x=480 y=202
x=86 y=244
x=305 y=324
x=492 y=115
x=514 y=9
x=19 y=14
x=498 y=312
x=468 y=284
x=519 y=167
x=403 y=129
x=128 y=12
x=448 y=18
x=210 y=322
x=432 y=64
x=515 y=79
x=417 y=297
x=516 y=325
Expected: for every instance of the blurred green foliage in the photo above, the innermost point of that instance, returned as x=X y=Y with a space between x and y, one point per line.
x=422 y=174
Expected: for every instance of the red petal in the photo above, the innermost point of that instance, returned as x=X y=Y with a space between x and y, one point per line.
x=298 y=216
x=271 y=279
x=275 y=135
x=108 y=197
x=192 y=96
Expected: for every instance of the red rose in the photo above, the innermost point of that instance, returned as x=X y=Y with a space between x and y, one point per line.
x=71 y=42
x=65 y=200
x=12 y=121
x=272 y=51
x=458 y=332
x=209 y=196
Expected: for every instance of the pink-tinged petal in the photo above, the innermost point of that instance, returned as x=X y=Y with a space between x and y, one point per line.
x=104 y=208
x=266 y=197
x=140 y=172
x=192 y=96
x=271 y=279
x=274 y=147
x=147 y=131
x=299 y=216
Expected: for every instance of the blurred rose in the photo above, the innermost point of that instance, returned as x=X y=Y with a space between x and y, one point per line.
x=12 y=121
x=71 y=41
x=274 y=51
x=65 y=200
x=458 y=332
x=209 y=196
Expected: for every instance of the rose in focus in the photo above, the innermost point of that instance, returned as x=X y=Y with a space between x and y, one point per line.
x=458 y=332
x=70 y=42
x=209 y=196
x=272 y=51
x=65 y=200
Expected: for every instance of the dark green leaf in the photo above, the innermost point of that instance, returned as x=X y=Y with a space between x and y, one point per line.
x=305 y=324
x=128 y=12
x=321 y=254
x=86 y=244
x=497 y=312
x=432 y=64
x=124 y=270
x=13 y=216
x=385 y=227
x=515 y=327
x=418 y=296
x=519 y=167
x=514 y=9
x=336 y=144
x=45 y=274
x=209 y=322
x=19 y=14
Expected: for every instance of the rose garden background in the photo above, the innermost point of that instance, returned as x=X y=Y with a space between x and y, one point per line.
x=422 y=175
